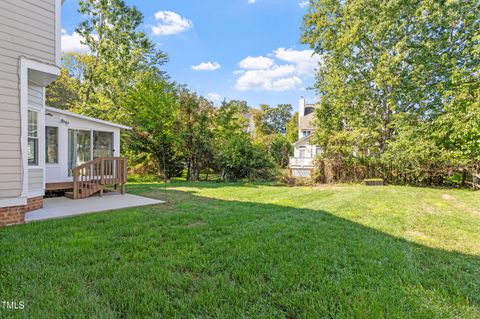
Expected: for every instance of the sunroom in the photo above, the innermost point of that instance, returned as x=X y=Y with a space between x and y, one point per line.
x=81 y=152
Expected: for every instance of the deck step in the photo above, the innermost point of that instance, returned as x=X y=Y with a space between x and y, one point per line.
x=94 y=176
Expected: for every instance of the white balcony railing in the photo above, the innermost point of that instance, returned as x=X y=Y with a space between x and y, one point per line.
x=302 y=161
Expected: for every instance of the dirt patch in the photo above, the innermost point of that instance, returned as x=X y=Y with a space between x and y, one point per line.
x=447 y=197
x=429 y=210
x=460 y=205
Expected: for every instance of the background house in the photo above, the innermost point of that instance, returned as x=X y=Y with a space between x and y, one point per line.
x=301 y=164
x=249 y=123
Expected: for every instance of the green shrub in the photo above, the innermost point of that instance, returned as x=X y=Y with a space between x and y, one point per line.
x=143 y=178
x=239 y=158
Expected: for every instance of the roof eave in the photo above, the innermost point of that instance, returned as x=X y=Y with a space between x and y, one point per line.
x=303 y=139
x=87 y=118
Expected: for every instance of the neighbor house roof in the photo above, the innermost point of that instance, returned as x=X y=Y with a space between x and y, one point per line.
x=303 y=139
x=87 y=118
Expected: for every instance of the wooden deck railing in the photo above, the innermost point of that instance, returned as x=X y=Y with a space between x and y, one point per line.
x=94 y=176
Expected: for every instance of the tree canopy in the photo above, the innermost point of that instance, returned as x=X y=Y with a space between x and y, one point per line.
x=396 y=75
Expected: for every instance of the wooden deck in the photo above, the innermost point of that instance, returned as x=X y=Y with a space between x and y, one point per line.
x=103 y=174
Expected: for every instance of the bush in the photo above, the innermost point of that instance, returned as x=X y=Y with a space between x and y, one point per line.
x=239 y=158
x=143 y=178
x=345 y=170
x=280 y=150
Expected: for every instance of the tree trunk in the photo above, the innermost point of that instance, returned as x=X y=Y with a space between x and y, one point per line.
x=464 y=177
x=188 y=171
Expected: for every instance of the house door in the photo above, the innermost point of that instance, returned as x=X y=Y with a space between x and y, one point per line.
x=102 y=144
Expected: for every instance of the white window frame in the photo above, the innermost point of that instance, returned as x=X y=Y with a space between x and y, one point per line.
x=58 y=146
x=304 y=150
x=37 y=138
x=25 y=66
x=91 y=130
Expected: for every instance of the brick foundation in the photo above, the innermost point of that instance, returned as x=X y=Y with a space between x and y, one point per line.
x=16 y=214
x=34 y=204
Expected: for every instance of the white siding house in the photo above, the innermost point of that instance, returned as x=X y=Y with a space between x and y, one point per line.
x=305 y=152
x=40 y=145
x=29 y=59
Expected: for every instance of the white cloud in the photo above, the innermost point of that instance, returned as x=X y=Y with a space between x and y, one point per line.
x=282 y=70
x=305 y=61
x=207 y=66
x=214 y=97
x=252 y=1
x=259 y=62
x=169 y=23
x=276 y=78
x=72 y=43
x=286 y=84
x=304 y=3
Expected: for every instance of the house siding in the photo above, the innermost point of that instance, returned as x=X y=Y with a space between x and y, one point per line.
x=35 y=180
x=35 y=96
x=27 y=29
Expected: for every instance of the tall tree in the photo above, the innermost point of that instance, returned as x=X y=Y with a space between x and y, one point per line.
x=279 y=116
x=229 y=119
x=387 y=61
x=261 y=122
x=121 y=54
x=63 y=92
x=151 y=109
x=196 y=120
x=292 y=128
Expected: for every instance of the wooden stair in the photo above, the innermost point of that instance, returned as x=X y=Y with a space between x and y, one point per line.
x=95 y=176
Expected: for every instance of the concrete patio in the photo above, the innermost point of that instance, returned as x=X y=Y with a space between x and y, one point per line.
x=61 y=207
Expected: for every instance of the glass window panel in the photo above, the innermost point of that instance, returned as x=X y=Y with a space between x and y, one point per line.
x=51 y=145
x=32 y=151
x=32 y=124
x=79 y=148
x=102 y=144
x=32 y=144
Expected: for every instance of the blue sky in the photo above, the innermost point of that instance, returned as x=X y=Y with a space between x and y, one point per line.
x=234 y=49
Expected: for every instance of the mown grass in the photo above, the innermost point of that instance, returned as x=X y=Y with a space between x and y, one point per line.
x=253 y=251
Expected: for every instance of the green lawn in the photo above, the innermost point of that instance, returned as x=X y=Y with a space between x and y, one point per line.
x=253 y=251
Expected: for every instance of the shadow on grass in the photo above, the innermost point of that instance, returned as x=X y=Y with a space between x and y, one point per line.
x=203 y=257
